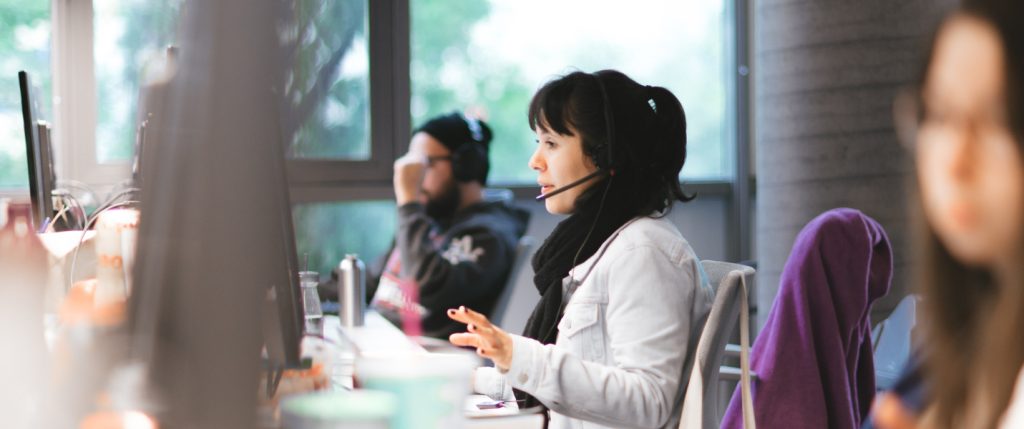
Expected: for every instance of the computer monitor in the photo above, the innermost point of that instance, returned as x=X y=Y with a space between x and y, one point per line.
x=215 y=236
x=151 y=110
x=38 y=153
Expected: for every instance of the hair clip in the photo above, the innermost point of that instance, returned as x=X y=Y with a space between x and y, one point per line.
x=654 y=106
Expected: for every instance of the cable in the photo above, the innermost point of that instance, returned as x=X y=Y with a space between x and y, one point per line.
x=70 y=183
x=121 y=188
x=89 y=194
x=572 y=271
x=600 y=208
x=65 y=207
x=80 y=215
x=112 y=199
x=69 y=204
x=88 y=224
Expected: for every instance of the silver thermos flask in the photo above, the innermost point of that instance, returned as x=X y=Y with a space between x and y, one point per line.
x=351 y=291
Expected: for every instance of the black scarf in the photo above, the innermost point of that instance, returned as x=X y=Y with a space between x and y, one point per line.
x=554 y=259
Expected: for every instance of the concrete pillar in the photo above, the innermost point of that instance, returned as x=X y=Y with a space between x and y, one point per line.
x=826 y=73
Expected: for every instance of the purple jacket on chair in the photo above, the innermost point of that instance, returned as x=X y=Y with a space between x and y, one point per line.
x=813 y=359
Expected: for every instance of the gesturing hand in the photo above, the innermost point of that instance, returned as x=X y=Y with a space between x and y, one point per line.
x=490 y=341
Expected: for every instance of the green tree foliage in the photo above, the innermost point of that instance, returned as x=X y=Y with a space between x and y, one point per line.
x=21 y=17
x=456 y=65
x=325 y=232
x=325 y=114
x=440 y=36
x=149 y=26
x=326 y=111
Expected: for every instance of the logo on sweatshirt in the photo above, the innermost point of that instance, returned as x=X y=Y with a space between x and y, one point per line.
x=461 y=250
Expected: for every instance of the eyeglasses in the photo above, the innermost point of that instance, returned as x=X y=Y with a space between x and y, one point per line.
x=431 y=160
x=919 y=125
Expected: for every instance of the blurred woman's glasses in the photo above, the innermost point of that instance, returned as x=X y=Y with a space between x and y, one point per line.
x=906 y=116
x=919 y=125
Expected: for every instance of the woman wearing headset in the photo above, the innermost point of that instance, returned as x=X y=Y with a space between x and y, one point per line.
x=623 y=298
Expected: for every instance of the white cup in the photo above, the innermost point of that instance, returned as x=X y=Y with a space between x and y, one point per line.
x=431 y=388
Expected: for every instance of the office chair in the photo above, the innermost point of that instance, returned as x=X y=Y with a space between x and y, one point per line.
x=892 y=341
x=701 y=402
x=813 y=355
x=499 y=314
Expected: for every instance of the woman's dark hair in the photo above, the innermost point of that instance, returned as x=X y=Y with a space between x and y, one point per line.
x=648 y=148
x=971 y=323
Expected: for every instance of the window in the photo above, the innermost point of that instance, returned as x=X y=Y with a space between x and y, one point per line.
x=127 y=36
x=327 y=89
x=24 y=45
x=491 y=56
x=427 y=57
x=325 y=232
x=328 y=85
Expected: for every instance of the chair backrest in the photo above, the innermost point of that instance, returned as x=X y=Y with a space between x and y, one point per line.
x=726 y=279
x=499 y=314
x=892 y=344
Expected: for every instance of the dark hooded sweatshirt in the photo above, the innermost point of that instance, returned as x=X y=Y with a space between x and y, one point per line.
x=461 y=261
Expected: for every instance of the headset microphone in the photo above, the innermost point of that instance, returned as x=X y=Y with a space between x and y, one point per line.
x=557 y=191
x=605 y=166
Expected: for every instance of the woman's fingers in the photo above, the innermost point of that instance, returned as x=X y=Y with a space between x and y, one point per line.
x=890 y=413
x=476 y=317
x=486 y=339
x=467 y=316
x=464 y=340
x=457 y=315
x=481 y=343
x=489 y=340
x=479 y=329
x=487 y=334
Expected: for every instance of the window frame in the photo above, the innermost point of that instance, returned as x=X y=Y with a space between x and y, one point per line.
x=75 y=115
x=326 y=180
x=389 y=59
x=74 y=87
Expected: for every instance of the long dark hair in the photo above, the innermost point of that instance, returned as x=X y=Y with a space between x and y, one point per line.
x=647 y=150
x=649 y=147
x=971 y=322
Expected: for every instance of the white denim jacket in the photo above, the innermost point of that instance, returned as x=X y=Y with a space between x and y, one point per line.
x=625 y=345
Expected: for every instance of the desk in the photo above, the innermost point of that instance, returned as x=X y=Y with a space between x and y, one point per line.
x=378 y=337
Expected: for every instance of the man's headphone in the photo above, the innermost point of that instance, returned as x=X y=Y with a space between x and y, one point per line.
x=469 y=161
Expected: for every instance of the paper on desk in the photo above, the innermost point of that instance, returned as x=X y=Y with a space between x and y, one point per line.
x=59 y=244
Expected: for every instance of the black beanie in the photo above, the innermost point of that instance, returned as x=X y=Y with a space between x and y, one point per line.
x=454 y=129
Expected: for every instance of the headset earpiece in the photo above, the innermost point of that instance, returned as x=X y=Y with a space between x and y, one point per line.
x=469 y=162
x=605 y=159
x=601 y=157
